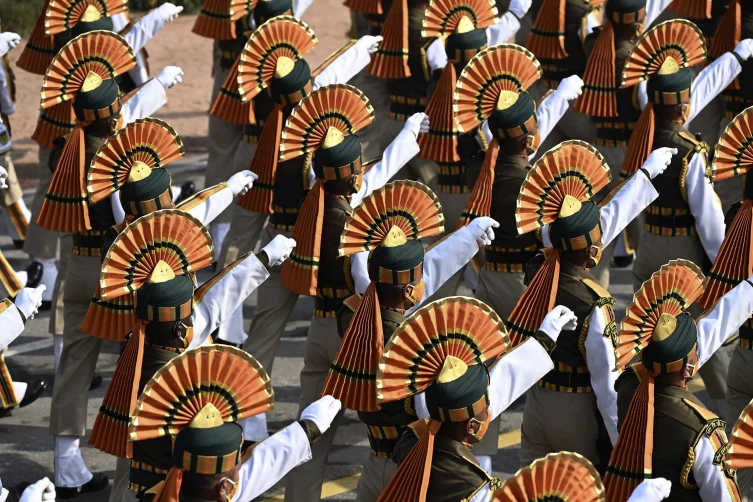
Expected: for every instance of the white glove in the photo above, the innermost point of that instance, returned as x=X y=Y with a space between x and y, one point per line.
x=29 y=300
x=436 y=55
x=745 y=48
x=651 y=490
x=482 y=229
x=658 y=161
x=322 y=412
x=3 y=177
x=8 y=40
x=570 y=87
x=168 y=11
x=41 y=491
x=170 y=76
x=559 y=318
x=371 y=43
x=278 y=250
x=417 y=123
x=241 y=182
x=519 y=8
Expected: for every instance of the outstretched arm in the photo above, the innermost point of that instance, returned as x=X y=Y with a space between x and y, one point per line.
x=729 y=313
x=705 y=206
x=600 y=360
x=349 y=63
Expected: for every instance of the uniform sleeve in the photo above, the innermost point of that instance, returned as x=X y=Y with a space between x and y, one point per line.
x=729 y=313
x=713 y=484
x=6 y=103
x=600 y=361
x=631 y=199
x=144 y=29
x=654 y=8
x=398 y=153
x=548 y=113
x=515 y=373
x=711 y=81
x=206 y=205
x=12 y=326
x=359 y=271
x=344 y=67
x=503 y=31
x=226 y=292
x=705 y=206
x=300 y=7
x=483 y=495
x=271 y=460
x=147 y=100
x=443 y=260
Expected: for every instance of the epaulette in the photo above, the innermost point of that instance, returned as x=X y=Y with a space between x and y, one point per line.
x=698 y=144
x=596 y=288
x=714 y=430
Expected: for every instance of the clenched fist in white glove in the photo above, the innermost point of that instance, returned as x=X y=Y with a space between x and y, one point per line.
x=371 y=43
x=322 y=412
x=744 y=49
x=558 y=319
x=418 y=123
x=241 y=182
x=8 y=41
x=651 y=490
x=168 y=11
x=436 y=55
x=170 y=76
x=41 y=491
x=482 y=229
x=29 y=300
x=570 y=87
x=519 y=8
x=3 y=177
x=278 y=250
x=658 y=161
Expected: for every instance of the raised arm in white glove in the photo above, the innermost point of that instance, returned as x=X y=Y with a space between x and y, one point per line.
x=3 y=177
x=744 y=49
x=8 y=41
x=482 y=229
x=571 y=87
x=418 y=123
x=436 y=55
x=41 y=491
x=558 y=319
x=651 y=490
x=658 y=161
x=278 y=250
x=322 y=412
x=170 y=76
x=29 y=300
x=241 y=182
x=370 y=42
x=168 y=12
x=519 y=8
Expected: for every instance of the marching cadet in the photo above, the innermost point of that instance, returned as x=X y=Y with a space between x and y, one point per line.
x=460 y=394
x=208 y=453
x=557 y=195
x=54 y=27
x=276 y=78
x=664 y=430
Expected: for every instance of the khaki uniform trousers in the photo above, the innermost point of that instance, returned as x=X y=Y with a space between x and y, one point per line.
x=78 y=360
x=57 y=318
x=40 y=242
x=275 y=304
x=304 y=483
x=555 y=421
x=119 y=491
x=376 y=474
x=739 y=394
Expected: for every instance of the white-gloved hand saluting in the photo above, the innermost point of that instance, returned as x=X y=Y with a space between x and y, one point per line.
x=658 y=161
x=29 y=300
x=651 y=490
x=744 y=49
x=170 y=76
x=570 y=87
x=3 y=177
x=370 y=42
x=241 y=182
x=168 y=12
x=41 y=491
x=482 y=229
x=418 y=123
x=8 y=41
x=322 y=412
x=278 y=250
x=558 y=319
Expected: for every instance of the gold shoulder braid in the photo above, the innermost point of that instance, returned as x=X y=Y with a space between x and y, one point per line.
x=715 y=430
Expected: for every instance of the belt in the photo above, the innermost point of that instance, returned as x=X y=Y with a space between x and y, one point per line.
x=669 y=221
x=567 y=378
x=509 y=260
x=451 y=179
x=613 y=132
x=283 y=218
x=402 y=107
x=329 y=301
x=89 y=244
x=383 y=438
